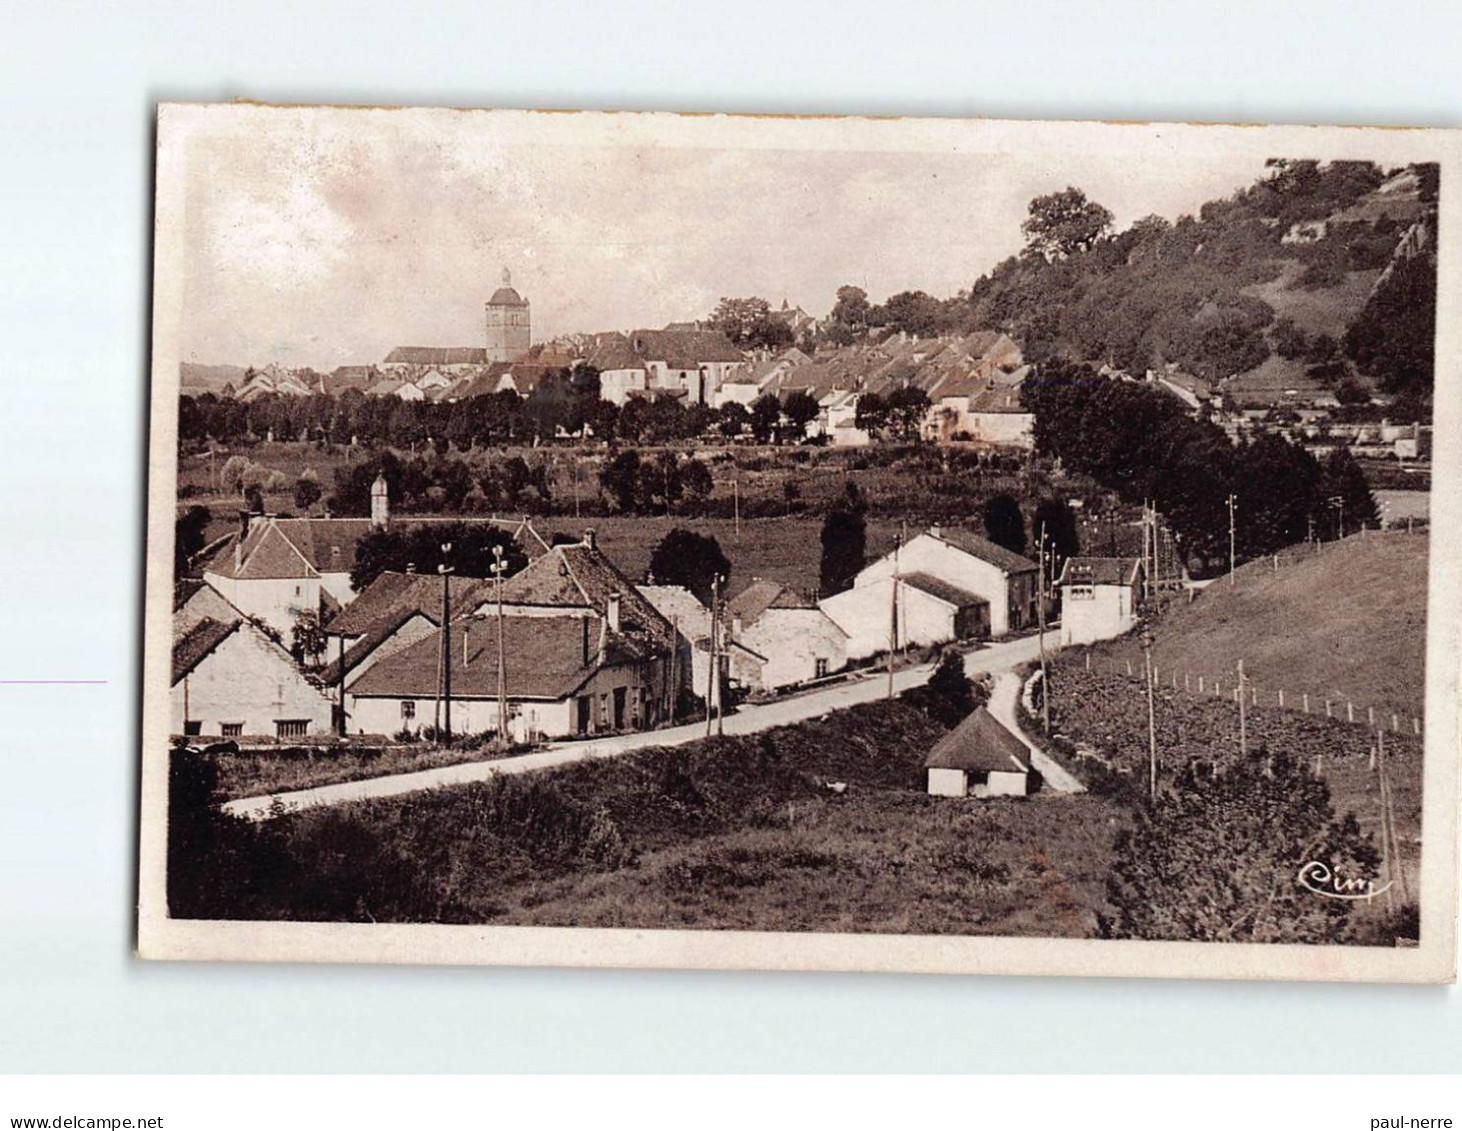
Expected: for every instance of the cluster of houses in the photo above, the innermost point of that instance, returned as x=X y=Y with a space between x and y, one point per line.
x=567 y=646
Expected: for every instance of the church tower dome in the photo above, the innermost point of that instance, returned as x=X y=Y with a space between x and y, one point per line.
x=509 y=327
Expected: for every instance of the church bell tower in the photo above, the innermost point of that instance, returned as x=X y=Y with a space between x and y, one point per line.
x=509 y=331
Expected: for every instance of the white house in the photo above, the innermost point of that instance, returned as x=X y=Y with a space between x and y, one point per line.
x=796 y=640
x=562 y=676
x=231 y=680
x=929 y=612
x=971 y=564
x=980 y=758
x=1098 y=598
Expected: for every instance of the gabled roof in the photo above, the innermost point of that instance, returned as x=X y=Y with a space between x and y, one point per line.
x=198 y=644
x=678 y=605
x=546 y=658
x=381 y=631
x=980 y=743
x=760 y=596
x=985 y=550
x=579 y=576
x=950 y=594
x=392 y=592
x=684 y=349
x=1100 y=571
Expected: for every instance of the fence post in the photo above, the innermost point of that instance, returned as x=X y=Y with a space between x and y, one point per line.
x=1319 y=765
x=1276 y=563
x=1415 y=725
x=1327 y=709
x=1350 y=712
x=1281 y=697
x=1395 y=723
x=1370 y=716
x=1129 y=667
x=1088 y=659
x=1373 y=757
x=1187 y=681
x=1306 y=698
x=1253 y=696
x=1200 y=685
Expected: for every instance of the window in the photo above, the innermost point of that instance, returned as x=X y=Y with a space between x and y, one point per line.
x=820 y=667
x=232 y=730
x=192 y=726
x=408 y=709
x=1080 y=593
x=291 y=728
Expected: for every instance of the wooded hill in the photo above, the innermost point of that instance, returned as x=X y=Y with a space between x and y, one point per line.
x=1315 y=276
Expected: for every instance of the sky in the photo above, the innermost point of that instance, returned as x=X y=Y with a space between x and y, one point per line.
x=307 y=244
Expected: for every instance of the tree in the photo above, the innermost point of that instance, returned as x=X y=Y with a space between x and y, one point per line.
x=695 y=477
x=844 y=545
x=851 y=310
x=307 y=637
x=693 y=560
x=1061 y=537
x=1061 y=224
x=801 y=409
x=1218 y=857
x=619 y=478
x=1004 y=524
x=766 y=414
x=420 y=548
x=189 y=532
x=1342 y=478
x=907 y=410
x=912 y=312
x=307 y=489
x=1393 y=339
x=950 y=695
x=733 y=419
x=871 y=415
x=748 y=322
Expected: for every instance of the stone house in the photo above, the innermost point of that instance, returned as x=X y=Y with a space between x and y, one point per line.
x=231 y=680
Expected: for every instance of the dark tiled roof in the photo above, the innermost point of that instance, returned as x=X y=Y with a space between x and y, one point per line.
x=987 y=551
x=760 y=596
x=951 y=594
x=380 y=632
x=547 y=658
x=684 y=349
x=1100 y=571
x=581 y=577
x=185 y=589
x=393 y=593
x=437 y=355
x=197 y=644
x=979 y=743
x=372 y=604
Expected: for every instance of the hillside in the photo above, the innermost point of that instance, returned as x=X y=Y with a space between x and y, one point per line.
x=1348 y=623
x=1314 y=275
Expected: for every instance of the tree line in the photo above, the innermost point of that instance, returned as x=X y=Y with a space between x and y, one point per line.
x=1139 y=442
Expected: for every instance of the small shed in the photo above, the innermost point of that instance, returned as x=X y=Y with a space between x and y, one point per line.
x=980 y=758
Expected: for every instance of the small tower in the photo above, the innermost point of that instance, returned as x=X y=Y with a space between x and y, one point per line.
x=380 y=503
x=509 y=329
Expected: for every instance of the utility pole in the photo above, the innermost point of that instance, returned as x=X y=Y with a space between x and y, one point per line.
x=674 y=682
x=445 y=570
x=1151 y=716
x=498 y=567
x=893 y=614
x=1243 y=716
x=1041 y=624
x=736 y=505
x=340 y=684
x=1232 y=503
x=713 y=683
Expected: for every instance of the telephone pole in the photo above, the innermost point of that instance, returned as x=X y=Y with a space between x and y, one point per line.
x=498 y=567
x=713 y=682
x=893 y=613
x=1151 y=716
x=1232 y=503
x=1243 y=716
x=1041 y=624
x=445 y=570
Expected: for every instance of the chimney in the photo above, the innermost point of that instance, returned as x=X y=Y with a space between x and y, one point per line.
x=589 y=539
x=936 y=530
x=613 y=613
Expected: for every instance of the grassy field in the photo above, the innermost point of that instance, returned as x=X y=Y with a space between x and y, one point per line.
x=1108 y=714
x=257 y=772
x=1348 y=623
x=729 y=832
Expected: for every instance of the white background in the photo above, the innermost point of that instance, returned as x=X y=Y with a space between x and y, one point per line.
x=77 y=90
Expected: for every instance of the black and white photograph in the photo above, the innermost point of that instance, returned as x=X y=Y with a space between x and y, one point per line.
x=830 y=543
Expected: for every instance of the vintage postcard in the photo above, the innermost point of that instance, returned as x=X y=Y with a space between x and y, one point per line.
x=831 y=544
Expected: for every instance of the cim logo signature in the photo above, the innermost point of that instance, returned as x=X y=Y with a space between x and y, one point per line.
x=1320 y=878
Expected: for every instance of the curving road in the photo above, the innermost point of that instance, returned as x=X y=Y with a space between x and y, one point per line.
x=999 y=659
